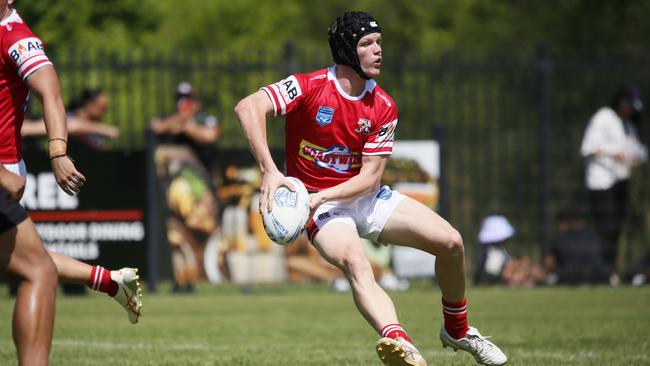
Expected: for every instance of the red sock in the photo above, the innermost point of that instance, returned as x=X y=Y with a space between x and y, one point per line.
x=455 y=318
x=100 y=280
x=394 y=331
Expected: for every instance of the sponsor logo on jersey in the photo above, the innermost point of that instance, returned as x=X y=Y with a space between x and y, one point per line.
x=317 y=77
x=25 y=49
x=324 y=215
x=337 y=158
x=363 y=126
x=324 y=115
x=289 y=89
x=387 y=132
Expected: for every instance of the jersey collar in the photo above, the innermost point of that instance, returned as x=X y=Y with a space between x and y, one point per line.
x=370 y=85
x=12 y=18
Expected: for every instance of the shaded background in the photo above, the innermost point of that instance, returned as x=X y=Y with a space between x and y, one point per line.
x=511 y=83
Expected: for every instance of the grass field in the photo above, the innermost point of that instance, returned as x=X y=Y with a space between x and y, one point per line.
x=310 y=325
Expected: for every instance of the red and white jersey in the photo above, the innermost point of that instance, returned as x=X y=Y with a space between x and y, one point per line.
x=326 y=130
x=22 y=54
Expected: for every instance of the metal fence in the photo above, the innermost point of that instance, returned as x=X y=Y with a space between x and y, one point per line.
x=513 y=121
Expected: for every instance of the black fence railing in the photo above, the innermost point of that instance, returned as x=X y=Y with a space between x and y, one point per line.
x=513 y=122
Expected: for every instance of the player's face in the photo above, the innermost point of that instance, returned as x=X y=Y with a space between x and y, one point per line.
x=369 y=51
x=97 y=108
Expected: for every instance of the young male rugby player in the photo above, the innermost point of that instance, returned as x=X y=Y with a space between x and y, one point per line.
x=25 y=68
x=339 y=130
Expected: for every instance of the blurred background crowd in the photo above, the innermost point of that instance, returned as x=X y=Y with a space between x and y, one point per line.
x=536 y=125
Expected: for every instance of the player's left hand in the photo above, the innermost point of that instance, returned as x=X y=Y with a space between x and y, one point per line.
x=315 y=200
x=67 y=176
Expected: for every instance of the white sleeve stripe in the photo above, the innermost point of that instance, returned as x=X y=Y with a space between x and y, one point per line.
x=31 y=61
x=377 y=153
x=270 y=95
x=374 y=145
x=36 y=68
x=283 y=106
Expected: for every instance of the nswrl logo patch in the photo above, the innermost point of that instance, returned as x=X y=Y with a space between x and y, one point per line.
x=324 y=115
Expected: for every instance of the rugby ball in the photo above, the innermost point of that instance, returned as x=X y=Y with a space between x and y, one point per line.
x=289 y=215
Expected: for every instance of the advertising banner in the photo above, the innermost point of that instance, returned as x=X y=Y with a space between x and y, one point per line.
x=104 y=223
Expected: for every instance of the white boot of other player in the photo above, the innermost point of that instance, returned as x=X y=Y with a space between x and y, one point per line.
x=129 y=293
x=484 y=351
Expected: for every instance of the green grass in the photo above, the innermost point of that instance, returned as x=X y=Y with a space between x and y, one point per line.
x=310 y=325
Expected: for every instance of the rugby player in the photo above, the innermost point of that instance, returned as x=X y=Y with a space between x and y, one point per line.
x=339 y=131
x=25 y=68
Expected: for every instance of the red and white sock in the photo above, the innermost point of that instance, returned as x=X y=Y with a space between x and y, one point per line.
x=100 y=280
x=394 y=331
x=455 y=318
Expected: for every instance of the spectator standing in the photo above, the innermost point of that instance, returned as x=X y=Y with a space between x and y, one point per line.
x=612 y=149
x=183 y=163
x=188 y=125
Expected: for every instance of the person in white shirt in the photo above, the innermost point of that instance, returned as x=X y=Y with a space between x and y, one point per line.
x=612 y=149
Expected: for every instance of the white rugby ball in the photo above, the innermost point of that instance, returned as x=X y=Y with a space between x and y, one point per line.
x=290 y=213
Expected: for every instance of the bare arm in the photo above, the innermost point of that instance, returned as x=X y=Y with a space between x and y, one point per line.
x=82 y=126
x=202 y=134
x=44 y=83
x=251 y=112
x=76 y=126
x=173 y=124
x=368 y=179
x=33 y=128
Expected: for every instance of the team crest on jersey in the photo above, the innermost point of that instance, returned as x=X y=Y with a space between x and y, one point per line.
x=337 y=158
x=25 y=49
x=324 y=115
x=363 y=126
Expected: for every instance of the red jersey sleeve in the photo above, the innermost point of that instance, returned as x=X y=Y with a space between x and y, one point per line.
x=381 y=137
x=286 y=94
x=23 y=50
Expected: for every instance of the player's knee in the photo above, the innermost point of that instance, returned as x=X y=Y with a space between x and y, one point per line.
x=453 y=244
x=357 y=266
x=44 y=272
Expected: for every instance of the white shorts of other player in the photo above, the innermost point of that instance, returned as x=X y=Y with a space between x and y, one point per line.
x=368 y=214
x=18 y=168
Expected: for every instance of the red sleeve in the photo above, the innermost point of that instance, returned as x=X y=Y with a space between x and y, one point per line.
x=24 y=50
x=287 y=94
x=381 y=137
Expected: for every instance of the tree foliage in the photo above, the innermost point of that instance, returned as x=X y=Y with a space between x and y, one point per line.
x=422 y=25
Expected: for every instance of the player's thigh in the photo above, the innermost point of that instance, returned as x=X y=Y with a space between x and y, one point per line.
x=415 y=225
x=22 y=253
x=337 y=242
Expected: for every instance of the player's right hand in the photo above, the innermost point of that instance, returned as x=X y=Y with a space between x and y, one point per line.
x=67 y=176
x=271 y=181
x=12 y=184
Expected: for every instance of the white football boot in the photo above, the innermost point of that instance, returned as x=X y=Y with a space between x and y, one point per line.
x=129 y=292
x=399 y=352
x=484 y=351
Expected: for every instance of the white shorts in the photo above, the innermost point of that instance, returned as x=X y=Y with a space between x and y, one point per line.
x=367 y=214
x=18 y=168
